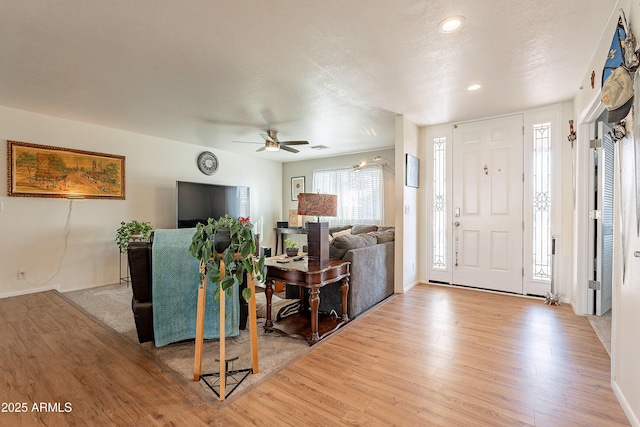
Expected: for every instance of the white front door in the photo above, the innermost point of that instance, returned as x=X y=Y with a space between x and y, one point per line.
x=487 y=204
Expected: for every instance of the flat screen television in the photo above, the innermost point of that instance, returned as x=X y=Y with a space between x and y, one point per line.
x=196 y=202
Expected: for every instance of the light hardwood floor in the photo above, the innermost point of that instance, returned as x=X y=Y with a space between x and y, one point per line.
x=433 y=356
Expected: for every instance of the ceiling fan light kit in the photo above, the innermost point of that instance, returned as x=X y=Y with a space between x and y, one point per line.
x=271 y=146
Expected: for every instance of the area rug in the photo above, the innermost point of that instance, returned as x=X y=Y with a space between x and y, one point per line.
x=112 y=306
x=602 y=326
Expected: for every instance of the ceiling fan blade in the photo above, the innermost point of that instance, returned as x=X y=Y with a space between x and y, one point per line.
x=248 y=142
x=261 y=149
x=293 y=142
x=292 y=150
x=268 y=138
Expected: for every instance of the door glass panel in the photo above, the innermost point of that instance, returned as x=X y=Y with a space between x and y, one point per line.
x=439 y=261
x=542 y=201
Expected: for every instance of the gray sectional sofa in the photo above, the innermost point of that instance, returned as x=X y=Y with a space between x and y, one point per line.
x=370 y=249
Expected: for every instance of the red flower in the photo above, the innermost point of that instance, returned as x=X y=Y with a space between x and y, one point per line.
x=244 y=220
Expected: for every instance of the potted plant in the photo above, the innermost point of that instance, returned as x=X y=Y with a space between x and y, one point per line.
x=130 y=231
x=292 y=247
x=237 y=253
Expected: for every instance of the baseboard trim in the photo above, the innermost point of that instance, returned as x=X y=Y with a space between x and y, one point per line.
x=633 y=417
x=29 y=291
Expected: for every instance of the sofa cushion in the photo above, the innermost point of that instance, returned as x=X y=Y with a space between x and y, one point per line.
x=340 y=245
x=334 y=230
x=360 y=229
x=339 y=233
x=383 y=236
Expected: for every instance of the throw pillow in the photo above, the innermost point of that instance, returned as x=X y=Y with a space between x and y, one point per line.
x=334 y=230
x=340 y=245
x=384 y=236
x=342 y=232
x=360 y=229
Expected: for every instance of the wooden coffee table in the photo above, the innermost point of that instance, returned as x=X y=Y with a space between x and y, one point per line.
x=310 y=326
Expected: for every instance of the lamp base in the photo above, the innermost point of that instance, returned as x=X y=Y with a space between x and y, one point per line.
x=318 y=244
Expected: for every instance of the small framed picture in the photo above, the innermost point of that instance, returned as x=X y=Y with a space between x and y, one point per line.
x=413 y=171
x=297 y=187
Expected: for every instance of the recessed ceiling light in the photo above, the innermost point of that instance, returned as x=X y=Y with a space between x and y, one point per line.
x=452 y=24
x=473 y=87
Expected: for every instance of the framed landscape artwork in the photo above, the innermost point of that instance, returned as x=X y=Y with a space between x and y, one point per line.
x=44 y=171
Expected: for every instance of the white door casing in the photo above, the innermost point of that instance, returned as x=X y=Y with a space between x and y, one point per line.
x=487 y=204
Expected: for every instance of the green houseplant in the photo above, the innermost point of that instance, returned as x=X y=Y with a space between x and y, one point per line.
x=129 y=231
x=237 y=253
x=292 y=247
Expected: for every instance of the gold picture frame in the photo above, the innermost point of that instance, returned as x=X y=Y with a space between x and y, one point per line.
x=35 y=170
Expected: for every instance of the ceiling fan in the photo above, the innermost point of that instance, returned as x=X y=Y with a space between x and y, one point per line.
x=271 y=142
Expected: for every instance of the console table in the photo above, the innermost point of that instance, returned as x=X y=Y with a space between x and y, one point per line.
x=281 y=235
x=310 y=326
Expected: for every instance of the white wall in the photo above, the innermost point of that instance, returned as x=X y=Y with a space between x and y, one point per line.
x=563 y=261
x=34 y=231
x=408 y=228
x=626 y=316
x=626 y=287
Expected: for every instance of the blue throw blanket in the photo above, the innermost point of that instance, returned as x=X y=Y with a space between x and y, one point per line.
x=175 y=282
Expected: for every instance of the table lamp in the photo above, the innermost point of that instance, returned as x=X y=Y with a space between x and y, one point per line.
x=316 y=204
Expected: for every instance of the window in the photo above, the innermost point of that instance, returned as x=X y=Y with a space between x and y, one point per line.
x=542 y=201
x=360 y=194
x=439 y=261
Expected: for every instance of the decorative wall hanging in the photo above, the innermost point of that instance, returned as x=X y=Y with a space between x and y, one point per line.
x=43 y=171
x=208 y=163
x=297 y=187
x=619 y=72
x=413 y=171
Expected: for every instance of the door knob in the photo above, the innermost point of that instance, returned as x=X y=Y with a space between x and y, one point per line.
x=457 y=224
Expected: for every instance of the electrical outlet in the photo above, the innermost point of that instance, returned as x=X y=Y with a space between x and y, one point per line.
x=22 y=274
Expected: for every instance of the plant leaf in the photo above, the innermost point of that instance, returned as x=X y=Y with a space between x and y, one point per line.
x=246 y=294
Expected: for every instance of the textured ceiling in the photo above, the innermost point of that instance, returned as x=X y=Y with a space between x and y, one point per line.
x=333 y=72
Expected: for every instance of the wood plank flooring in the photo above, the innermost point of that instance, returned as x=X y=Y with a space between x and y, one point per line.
x=433 y=356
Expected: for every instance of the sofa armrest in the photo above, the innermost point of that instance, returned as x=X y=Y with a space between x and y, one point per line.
x=139 y=257
x=371 y=278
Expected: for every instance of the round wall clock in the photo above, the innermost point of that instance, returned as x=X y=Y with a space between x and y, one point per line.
x=207 y=163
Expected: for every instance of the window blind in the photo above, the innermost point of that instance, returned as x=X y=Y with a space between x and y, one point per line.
x=360 y=194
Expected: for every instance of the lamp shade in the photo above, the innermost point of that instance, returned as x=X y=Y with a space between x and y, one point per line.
x=314 y=204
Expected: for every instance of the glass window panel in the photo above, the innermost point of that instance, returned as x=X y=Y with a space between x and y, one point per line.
x=360 y=194
x=439 y=261
x=542 y=201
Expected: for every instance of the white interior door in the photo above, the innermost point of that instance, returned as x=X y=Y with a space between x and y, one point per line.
x=603 y=217
x=487 y=204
